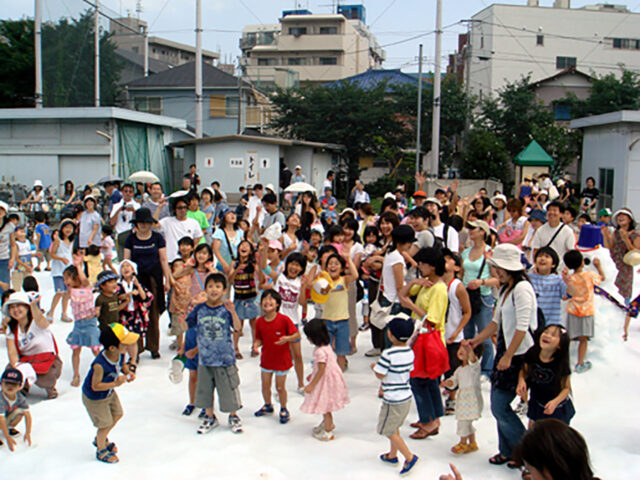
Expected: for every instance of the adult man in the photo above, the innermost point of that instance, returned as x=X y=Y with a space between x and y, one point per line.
x=157 y=204
x=328 y=182
x=220 y=205
x=442 y=230
x=273 y=214
x=216 y=188
x=298 y=177
x=175 y=227
x=418 y=198
x=554 y=233
x=255 y=204
x=194 y=178
x=121 y=216
x=360 y=195
x=113 y=193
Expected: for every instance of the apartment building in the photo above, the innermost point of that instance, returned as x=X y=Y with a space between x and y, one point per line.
x=309 y=48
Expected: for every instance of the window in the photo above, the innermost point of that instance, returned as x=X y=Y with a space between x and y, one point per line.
x=148 y=104
x=328 y=61
x=221 y=106
x=565 y=62
x=266 y=61
x=562 y=111
x=605 y=186
x=297 y=31
x=539 y=39
x=626 y=43
x=297 y=61
x=328 y=30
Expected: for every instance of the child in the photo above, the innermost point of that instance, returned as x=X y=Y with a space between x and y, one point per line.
x=270 y=264
x=580 y=308
x=23 y=266
x=197 y=269
x=188 y=349
x=548 y=285
x=216 y=357
x=469 y=396
x=106 y=248
x=32 y=289
x=61 y=258
x=393 y=368
x=291 y=286
x=13 y=408
x=185 y=248
x=85 y=331
x=273 y=332
x=326 y=391
x=243 y=278
x=179 y=304
x=108 y=303
x=98 y=394
x=42 y=240
x=335 y=310
x=546 y=372
x=137 y=302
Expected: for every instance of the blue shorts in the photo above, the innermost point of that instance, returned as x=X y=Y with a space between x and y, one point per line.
x=247 y=308
x=58 y=284
x=190 y=342
x=278 y=373
x=339 y=335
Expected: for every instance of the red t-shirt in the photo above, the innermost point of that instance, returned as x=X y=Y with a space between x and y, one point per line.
x=275 y=357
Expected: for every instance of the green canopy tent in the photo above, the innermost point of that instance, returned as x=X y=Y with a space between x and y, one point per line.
x=532 y=160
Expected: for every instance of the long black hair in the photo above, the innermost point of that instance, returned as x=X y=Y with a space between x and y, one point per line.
x=316 y=331
x=351 y=224
x=561 y=356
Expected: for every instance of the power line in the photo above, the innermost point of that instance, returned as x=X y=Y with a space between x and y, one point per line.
x=383 y=12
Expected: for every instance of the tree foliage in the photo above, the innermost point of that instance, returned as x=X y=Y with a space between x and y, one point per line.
x=17 y=80
x=486 y=156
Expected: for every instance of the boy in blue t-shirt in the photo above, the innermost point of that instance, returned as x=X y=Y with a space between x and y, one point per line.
x=42 y=240
x=214 y=321
x=98 y=390
x=548 y=285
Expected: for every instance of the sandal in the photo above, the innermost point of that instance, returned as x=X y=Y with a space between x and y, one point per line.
x=285 y=416
x=513 y=465
x=239 y=356
x=254 y=353
x=76 y=381
x=264 y=410
x=498 y=459
x=66 y=319
x=421 y=433
x=110 y=445
x=106 y=456
x=472 y=447
x=49 y=317
x=459 y=448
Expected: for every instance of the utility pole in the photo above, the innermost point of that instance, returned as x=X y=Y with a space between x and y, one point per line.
x=198 y=68
x=96 y=39
x=146 y=51
x=240 y=103
x=435 y=126
x=419 y=118
x=38 y=52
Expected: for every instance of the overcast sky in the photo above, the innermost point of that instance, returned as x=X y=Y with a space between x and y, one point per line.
x=392 y=21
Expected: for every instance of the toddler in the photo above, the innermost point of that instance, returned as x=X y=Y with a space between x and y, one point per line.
x=13 y=408
x=23 y=265
x=42 y=240
x=180 y=299
x=106 y=248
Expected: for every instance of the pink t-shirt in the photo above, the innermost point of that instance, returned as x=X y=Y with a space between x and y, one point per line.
x=82 y=304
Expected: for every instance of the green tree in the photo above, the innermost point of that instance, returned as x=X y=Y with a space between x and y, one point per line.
x=486 y=156
x=17 y=79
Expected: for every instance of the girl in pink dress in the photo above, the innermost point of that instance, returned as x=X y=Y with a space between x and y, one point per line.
x=327 y=391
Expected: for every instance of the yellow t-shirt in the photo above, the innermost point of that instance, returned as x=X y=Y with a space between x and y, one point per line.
x=434 y=301
x=337 y=305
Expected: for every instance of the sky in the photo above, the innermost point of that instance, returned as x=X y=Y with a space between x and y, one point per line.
x=403 y=23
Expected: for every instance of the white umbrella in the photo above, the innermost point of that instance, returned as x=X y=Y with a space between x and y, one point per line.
x=179 y=193
x=143 y=177
x=300 y=187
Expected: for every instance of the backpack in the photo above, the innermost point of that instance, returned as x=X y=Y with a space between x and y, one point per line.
x=440 y=243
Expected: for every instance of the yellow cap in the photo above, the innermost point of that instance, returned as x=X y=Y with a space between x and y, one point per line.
x=124 y=335
x=321 y=283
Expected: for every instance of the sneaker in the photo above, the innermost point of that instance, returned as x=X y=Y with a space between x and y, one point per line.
x=208 y=424
x=264 y=410
x=285 y=416
x=522 y=408
x=188 y=410
x=202 y=414
x=408 y=465
x=323 y=435
x=390 y=461
x=235 y=423
x=374 y=352
x=318 y=428
x=584 y=367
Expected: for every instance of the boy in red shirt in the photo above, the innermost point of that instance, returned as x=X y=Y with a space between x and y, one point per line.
x=274 y=332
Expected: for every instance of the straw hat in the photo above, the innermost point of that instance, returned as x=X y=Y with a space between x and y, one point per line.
x=632 y=258
x=507 y=256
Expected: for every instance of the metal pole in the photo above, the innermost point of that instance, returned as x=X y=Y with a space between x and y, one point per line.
x=435 y=126
x=419 y=118
x=240 y=105
x=96 y=40
x=198 y=68
x=38 y=52
x=146 y=52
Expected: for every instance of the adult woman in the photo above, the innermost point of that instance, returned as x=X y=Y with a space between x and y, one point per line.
x=30 y=341
x=589 y=198
x=624 y=238
x=7 y=245
x=499 y=203
x=429 y=310
x=69 y=194
x=226 y=239
x=514 y=316
x=147 y=249
x=351 y=243
x=307 y=201
x=35 y=198
x=208 y=208
x=515 y=229
x=478 y=280
x=367 y=217
x=393 y=268
x=289 y=238
x=140 y=194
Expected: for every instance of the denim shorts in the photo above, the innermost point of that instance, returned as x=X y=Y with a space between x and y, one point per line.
x=339 y=334
x=247 y=308
x=277 y=373
x=58 y=284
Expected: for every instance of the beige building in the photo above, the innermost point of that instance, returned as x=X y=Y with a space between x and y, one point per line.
x=309 y=49
x=161 y=49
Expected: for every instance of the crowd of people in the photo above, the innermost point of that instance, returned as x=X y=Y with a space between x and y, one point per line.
x=453 y=292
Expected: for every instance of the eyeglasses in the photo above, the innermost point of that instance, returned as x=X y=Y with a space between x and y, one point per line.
x=184 y=207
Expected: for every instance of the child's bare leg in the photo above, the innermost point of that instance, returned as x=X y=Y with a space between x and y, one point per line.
x=54 y=303
x=65 y=304
x=327 y=418
x=398 y=445
x=103 y=433
x=298 y=365
x=266 y=378
x=582 y=349
x=193 y=383
x=75 y=362
x=281 y=381
x=132 y=350
x=625 y=330
x=236 y=337
x=252 y=324
x=342 y=361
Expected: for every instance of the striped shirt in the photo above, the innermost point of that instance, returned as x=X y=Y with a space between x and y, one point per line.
x=549 y=289
x=395 y=364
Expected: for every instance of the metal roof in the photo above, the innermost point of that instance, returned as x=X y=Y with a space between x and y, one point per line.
x=184 y=76
x=373 y=77
x=533 y=154
x=621 y=116
x=287 y=142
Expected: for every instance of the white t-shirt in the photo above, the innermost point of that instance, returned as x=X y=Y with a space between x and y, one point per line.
x=356 y=249
x=361 y=197
x=388 y=280
x=327 y=183
x=35 y=340
x=123 y=222
x=253 y=204
x=564 y=241
x=289 y=290
x=174 y=229
x=452 y=242
x=454 y=315
x=87 y=223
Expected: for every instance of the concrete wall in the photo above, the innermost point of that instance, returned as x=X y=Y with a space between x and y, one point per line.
x=465 y=187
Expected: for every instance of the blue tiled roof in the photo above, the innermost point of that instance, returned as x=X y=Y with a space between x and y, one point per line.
x=373 y=77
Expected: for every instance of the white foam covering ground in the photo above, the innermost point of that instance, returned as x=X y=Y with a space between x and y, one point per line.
x=157 y=442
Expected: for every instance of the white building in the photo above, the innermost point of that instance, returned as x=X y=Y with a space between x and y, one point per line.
x=309 y=48
x=511 y=41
